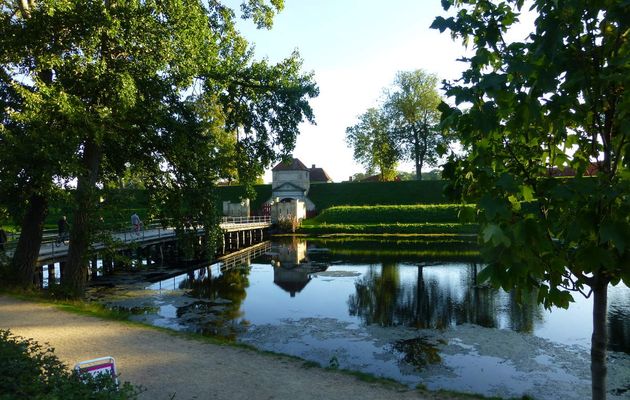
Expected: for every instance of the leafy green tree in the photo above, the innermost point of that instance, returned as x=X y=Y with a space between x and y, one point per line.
x=33 y=124
x=554 y=100
x=161 y=87
x=372 y=144
x=412 y=108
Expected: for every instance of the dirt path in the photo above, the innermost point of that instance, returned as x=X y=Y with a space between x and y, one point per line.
x=174 y=367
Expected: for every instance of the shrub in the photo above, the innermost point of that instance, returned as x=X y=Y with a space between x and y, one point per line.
x=32 y=371
x=326 y=195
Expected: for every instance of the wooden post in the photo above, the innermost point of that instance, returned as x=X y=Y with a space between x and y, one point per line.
x=62 y=270
x=94 y=266
x=51 y=274
x=107 y=265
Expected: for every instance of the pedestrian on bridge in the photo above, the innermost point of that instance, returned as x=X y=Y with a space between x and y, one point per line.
x=135 y=222
x=63 y=228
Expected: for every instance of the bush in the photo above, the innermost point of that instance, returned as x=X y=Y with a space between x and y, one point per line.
x=326 y=195
x=32 y=371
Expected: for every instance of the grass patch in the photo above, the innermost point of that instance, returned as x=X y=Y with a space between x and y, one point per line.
x=419 y=219
x=391 y=229
x=389 y=214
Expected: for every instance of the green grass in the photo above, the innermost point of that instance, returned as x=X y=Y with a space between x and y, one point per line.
x=423 y=219
x=389 y=214
x=421 y=229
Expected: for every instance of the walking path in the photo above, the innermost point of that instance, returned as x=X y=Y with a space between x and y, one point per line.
x=170 y=366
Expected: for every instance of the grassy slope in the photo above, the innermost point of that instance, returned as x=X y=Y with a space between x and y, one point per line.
x=401 y=219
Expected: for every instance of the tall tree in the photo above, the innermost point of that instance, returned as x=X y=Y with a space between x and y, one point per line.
x=32 y=125
x=373 y=145
x=557 y=99
x=412 y=107
x=118 y=72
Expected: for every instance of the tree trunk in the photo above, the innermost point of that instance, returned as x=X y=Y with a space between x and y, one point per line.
x=599 y=340
x=416 y=155
x=24 y=261
x=75 y=277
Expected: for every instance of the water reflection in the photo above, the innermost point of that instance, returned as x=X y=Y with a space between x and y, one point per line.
x=434 y=301
x=219 y=314
x=292 y=269
x=330 y=278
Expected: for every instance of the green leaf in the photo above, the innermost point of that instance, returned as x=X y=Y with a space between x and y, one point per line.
x=492 y=233
x=615 y=232
x=441 y=24
x=527 y=192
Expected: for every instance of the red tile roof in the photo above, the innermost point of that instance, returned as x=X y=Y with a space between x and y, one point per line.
x=319 y=175
x=293 y=165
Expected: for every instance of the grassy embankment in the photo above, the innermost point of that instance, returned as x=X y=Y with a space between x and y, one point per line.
x=420 y=219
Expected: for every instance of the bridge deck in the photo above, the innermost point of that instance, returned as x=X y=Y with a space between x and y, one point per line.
x=50 y=252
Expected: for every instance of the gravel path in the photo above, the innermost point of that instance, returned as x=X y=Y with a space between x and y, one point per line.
x=175 y=367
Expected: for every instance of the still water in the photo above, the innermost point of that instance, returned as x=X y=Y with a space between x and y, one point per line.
x=410 y=310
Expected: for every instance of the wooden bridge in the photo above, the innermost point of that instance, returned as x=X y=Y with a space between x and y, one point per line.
x=237 y=231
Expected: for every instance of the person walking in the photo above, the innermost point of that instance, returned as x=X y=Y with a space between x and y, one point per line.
x=136 y=223
x=63 y=229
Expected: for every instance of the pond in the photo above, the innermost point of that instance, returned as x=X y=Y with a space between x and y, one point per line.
x=406 y=309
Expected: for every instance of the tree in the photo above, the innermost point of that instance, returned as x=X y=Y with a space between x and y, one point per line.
x=556 y=100
x=32 y=125
x=412 y=108
x=161 y=87
x=372 y=144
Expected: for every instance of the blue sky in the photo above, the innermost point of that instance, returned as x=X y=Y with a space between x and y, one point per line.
x=354 y=48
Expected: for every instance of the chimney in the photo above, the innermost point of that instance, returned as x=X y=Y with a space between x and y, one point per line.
x=313 y=167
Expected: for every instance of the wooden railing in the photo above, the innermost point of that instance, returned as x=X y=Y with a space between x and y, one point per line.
x=150 y=231
x=246 y=220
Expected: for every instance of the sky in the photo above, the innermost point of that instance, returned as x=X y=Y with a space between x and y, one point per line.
x=354 y=48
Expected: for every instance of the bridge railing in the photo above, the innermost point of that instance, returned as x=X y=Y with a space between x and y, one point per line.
x=156 y=229
x=246 y=220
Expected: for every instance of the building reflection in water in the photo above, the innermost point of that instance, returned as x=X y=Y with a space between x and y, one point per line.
x=292 y=269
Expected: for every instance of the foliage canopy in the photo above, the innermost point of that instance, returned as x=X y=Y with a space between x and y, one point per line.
x=527 y=110
x=168 y=89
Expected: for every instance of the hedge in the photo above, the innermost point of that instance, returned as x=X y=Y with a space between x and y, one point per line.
x=326 y=195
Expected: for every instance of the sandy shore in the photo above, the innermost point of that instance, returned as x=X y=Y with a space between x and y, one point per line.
x=175 y=367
